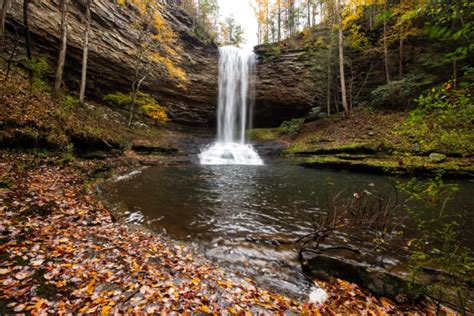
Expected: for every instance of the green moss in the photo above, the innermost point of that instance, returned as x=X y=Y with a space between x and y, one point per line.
x=263 y=134
x=419 y=165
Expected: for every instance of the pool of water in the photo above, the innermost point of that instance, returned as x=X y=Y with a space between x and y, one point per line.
x=242 y=215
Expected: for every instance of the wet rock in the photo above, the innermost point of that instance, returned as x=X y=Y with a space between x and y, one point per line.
x=379 y=281
x=268 y=149
x=318 y=296
x=282 y=90
x=149 y=149
x=437 y=158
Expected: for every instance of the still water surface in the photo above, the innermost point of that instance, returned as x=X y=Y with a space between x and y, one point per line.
x=240 y=214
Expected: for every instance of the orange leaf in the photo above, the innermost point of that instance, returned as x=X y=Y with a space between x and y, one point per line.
x=90 y=287
x=205 y=309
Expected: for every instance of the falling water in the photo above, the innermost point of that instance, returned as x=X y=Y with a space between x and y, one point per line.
x=236 y=71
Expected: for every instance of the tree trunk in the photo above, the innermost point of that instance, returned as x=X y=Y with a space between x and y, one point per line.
x=26 y=26
x=12 y=54
x=63 y=4
x=341 y=61
x=455 y=73
x=3 y=14
x=279 y=20
x=321 y=11
x=401 y=57
x=309 y=13
x=135 y=90
x=385 y=50
x=85 y=51
x=371 y=17
x=267 y=25
x=331 y=39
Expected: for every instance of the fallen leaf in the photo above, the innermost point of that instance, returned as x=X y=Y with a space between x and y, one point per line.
x=5 y=271
x=23 y=275
x=37 y=263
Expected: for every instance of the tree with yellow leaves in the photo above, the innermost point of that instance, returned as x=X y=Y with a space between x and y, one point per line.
x=262 y=13
x=156 y=46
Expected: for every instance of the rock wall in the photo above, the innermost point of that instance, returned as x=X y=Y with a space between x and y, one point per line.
x=294 y=76
x=112 y=41
x=289 y=82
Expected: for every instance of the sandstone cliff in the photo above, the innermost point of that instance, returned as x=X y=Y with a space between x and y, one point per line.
x=112 y=41
x=285 y=85
x=300 y=73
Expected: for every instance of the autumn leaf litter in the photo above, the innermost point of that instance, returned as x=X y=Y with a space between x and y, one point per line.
x=60 y=251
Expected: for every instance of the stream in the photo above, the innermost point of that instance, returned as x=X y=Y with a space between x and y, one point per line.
x=245 y=217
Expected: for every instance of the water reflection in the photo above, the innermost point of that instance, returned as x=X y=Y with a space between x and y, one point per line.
x=236 y=213
x=230 y=193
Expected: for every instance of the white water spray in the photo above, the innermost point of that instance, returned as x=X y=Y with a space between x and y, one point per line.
x=236 y=71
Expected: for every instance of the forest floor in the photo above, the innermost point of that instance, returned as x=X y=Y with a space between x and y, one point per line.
x=61 y=250
x=369 y=142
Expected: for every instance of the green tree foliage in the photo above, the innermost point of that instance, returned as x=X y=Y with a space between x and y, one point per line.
x=440 y=239
x=207 y=20
x=144 y=101
x=291 y=127
x=38 y=68
x=443 y=119
x=232 y=32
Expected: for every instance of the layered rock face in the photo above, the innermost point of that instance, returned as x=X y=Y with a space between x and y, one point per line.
x=289 y=82
x=300 y=74
x=112 y=43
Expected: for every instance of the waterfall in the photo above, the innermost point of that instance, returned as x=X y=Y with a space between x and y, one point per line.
x=234 y=112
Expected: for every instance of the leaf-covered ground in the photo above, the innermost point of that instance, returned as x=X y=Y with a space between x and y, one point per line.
x=61 y=251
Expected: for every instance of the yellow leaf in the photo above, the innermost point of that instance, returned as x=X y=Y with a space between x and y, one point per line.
x=232 y=310
x=105 y=310
x=224 y=284
x=386 y=302
x=205 y=309
x=90 y=287
x=196 y=281
x=60 y=283
x=84 y=309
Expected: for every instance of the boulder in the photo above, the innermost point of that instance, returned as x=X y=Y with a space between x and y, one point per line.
x=379 y=281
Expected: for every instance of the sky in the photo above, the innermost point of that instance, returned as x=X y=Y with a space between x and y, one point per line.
x=244 y=14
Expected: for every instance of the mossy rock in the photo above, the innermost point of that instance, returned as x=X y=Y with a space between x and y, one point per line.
x=437 y=158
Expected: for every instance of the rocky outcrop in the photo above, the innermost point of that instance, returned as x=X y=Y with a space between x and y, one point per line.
x=296 y=77
x=112 y=42
x=291 y=80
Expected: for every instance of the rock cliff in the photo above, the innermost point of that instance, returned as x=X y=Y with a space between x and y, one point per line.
x=283 y=85
x=300 y=73
x=112 y=41
x=292 y=75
